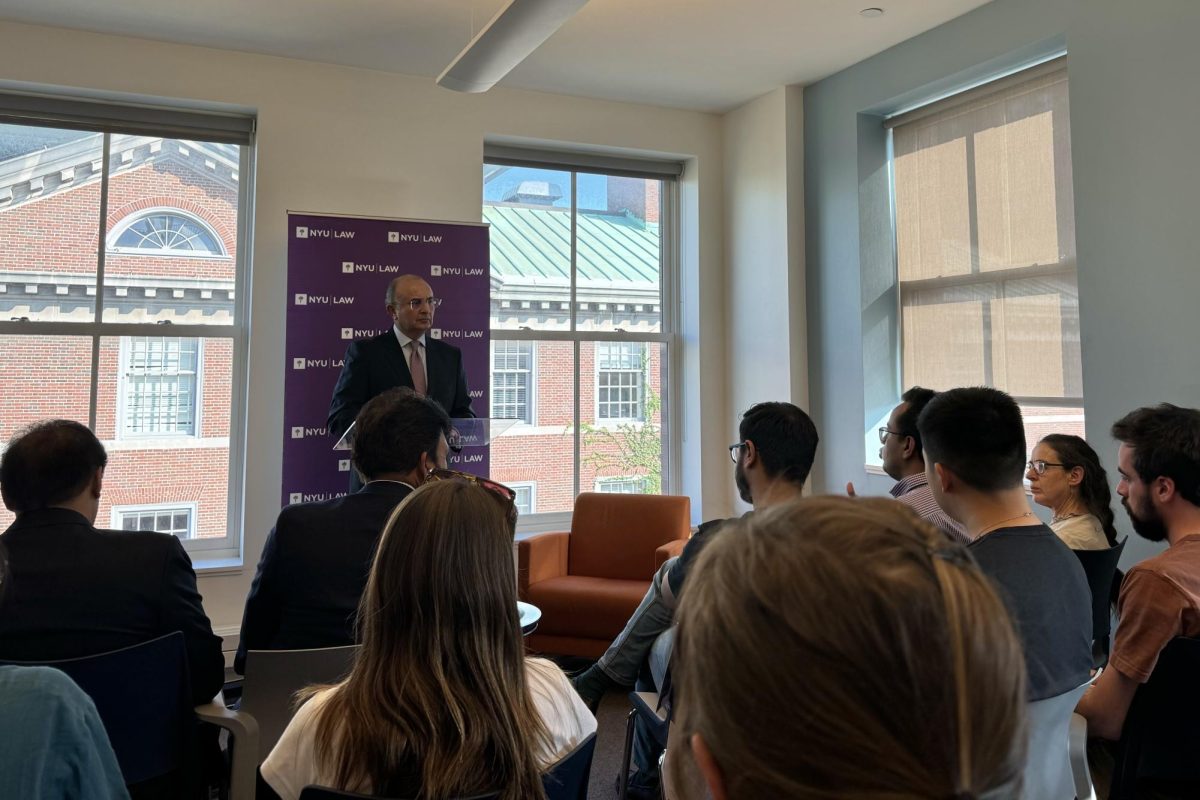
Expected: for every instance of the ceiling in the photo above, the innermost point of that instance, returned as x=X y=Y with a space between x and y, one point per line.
x=707 y=55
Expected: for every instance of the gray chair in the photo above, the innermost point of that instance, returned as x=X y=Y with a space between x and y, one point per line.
x=1084 y=789
x=274 y=676
x=1048 y=770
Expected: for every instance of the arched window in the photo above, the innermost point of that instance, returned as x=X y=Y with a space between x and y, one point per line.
x=166 y=232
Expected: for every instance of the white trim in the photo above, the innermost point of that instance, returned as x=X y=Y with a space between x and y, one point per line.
x=197 y=399
x=532 y=487
x=531 y=389
x=598 y=486
x=190 y=506
x=644 y=380
x=119 y=229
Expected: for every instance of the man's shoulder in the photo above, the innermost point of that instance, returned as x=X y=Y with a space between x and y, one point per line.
x=438 y=346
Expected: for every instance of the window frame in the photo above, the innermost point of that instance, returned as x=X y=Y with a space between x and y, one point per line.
x=124 y=353
x=114 y=121
x=190 y=506
x=642 y=379
x=121 y=227
x=531 y=377
x=668 y=337
x=619 y=479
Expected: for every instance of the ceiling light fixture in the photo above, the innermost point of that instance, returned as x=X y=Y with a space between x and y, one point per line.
x=871 y=13
x=516 y=31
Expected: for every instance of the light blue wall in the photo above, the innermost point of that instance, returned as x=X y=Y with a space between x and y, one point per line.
x=1135 y=118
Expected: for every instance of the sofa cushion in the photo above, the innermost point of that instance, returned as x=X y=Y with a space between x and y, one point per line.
x=575 y=605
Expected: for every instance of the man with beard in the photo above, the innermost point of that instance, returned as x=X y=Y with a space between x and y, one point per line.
x=1159 y=464
x=777 y=445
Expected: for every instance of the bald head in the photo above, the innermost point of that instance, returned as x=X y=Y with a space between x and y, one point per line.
x=410 y=304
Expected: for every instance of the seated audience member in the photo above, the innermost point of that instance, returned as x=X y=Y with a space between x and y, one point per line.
x=52 y=743
x=975 y=456
x=316 y=559
x=1065 y=475
x=773 y=459
x=76 y=590
x=904 y=462
x=442 y=701
x=1159 y=463
x=842 y=648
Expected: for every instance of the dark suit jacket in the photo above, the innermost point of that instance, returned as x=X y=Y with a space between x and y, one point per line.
x=313 y=570
x=376 y=364
x=74 y=590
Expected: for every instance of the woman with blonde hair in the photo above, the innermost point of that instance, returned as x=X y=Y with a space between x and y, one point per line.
x=442 y=701
x=841 y=648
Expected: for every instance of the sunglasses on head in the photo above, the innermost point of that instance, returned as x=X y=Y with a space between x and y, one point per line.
x=499 y=489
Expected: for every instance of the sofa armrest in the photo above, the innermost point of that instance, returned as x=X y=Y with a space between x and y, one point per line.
x=540 y=557
x=667 y=551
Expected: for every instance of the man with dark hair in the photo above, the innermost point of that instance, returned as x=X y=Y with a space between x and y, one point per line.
x=75 y=590
x=975 y=457
x=904 y=462
x=778 y=443
x=1159 y=463
x=314 y=565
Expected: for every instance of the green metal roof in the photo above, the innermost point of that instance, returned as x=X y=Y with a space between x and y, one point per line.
x=535 y=243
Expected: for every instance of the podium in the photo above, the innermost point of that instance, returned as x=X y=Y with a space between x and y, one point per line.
x=464 y=432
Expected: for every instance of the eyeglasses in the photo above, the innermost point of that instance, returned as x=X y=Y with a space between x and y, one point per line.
x=883 y=434
x=733 y=450
x=499 y=489
x=417 y=302
x=1039 y=466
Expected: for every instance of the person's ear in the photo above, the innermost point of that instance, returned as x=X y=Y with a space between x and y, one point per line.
x=1075 y=476
x=97 y=482
x=945 y=477
x=910 y=447
x=1164 y=488
x=749 y=455
x=708 y=767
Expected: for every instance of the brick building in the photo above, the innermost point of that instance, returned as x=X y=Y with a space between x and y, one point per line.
x=169 y=249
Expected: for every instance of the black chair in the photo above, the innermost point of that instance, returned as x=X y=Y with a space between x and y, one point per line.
x=1161 y=735
x=657 y=719
x=322 y=793
x=568 y=779
x=1100 y=567
x=143 y=695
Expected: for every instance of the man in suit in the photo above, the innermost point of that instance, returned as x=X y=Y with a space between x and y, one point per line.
x=315 y=563
x=74 y=590
x=404 y=356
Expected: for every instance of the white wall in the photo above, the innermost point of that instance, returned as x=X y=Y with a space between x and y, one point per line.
x=335 y=139
x=766 y=342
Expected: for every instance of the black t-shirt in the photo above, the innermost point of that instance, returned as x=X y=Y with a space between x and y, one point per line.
x=1043 y=584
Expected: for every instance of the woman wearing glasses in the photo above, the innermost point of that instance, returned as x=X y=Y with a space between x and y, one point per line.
x=442 y=701
x=1065 y=476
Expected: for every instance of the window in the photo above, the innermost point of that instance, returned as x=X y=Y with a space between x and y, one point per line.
x=583 y=266
x=619 y=380
x=985 y=246
x=175 y=520
x=526 y=498
x=166 y=233
x=159 y=380
x=512 y=380
x=122 y=301
x=621 y=485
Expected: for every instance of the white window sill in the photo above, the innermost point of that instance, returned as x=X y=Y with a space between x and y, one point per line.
x=216 y=566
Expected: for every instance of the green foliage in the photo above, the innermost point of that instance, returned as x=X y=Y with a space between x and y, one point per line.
x=629 y=449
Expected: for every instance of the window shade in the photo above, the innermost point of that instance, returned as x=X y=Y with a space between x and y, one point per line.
x=985 y=239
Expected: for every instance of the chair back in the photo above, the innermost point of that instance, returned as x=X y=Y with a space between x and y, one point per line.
x=323 y=793
x=568 y=779
x=274 y=676
x=143 y=695
x=1161 y=734
x=615 y=535
x=1100 y=566
x=1048 y=774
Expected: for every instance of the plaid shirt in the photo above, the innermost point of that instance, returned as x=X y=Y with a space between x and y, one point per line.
x=915 y=493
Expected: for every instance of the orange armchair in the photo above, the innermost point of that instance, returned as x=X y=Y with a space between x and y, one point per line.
x=588 y=582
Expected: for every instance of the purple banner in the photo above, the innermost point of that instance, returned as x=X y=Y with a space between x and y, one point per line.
x=339 y=269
